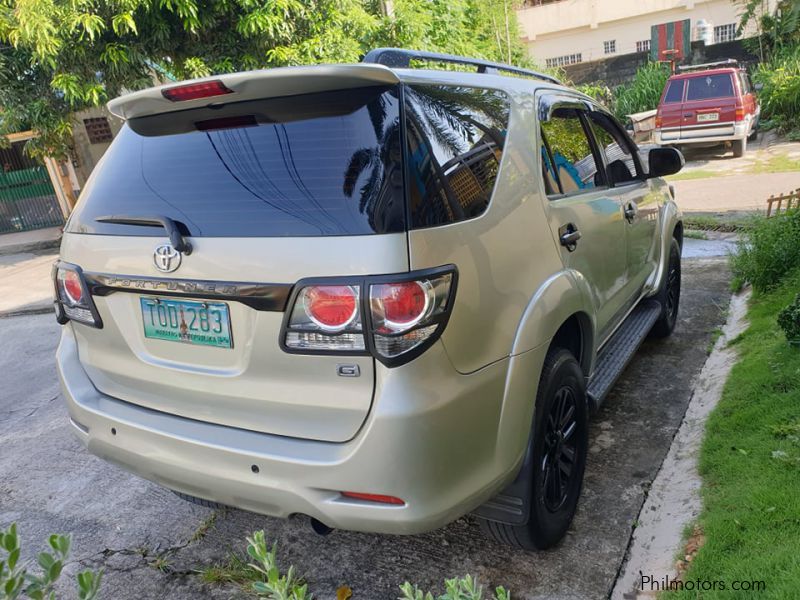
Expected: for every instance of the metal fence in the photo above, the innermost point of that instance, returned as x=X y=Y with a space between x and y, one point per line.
x=27 y=198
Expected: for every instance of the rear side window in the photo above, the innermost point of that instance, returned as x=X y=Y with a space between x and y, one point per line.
x=320 y=164
x=455 y=140
x=710 y=86
x=674 y=92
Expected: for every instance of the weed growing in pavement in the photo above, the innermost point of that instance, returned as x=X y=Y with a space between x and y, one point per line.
x=16 y=581
x=465 y=588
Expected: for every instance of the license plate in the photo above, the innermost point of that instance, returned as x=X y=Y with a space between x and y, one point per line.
x=200 y=323
x=706 y=117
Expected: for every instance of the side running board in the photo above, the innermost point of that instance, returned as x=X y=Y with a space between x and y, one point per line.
x=619 y=350
x=512 y=505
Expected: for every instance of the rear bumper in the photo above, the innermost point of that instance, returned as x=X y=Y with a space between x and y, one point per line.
x=431 y=439
x=711 y=134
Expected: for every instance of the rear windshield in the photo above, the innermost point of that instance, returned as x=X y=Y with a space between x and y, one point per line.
x=321 y=164
x=710 y=86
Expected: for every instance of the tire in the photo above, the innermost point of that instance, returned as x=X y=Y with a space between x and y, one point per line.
x=560 y=439
x=669 y=294
x=739 y=147
x=199 y=501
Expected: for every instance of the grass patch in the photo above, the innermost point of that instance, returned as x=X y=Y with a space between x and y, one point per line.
x=695 y=234
x=695 y=174
x=776 y=163
x=730 y=222
x=767 y=251
x=750 y=463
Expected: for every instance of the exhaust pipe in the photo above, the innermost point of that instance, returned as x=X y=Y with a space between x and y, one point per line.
x=319 y=527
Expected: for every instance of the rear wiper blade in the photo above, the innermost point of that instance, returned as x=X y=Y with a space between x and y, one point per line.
x=175 y=238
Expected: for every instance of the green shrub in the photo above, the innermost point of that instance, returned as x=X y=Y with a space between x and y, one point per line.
x=271 y=585
x=643 y=93
x=767 y=251
x=780 y=96
x=789 y=320
x=17 y=582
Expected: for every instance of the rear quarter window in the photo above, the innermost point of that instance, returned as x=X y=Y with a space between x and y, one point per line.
x=455 y=141
x=674 y=92
x=707 y=87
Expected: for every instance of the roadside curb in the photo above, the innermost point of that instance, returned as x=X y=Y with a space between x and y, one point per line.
x=30 y=247
x=673 y=501
x=34 y=310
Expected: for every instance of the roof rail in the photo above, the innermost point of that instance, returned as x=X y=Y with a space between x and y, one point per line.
x=401 y=58
x=731 y=62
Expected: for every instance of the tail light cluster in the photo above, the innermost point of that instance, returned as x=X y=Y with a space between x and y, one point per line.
x=73 y=302
x=659 y=121
x=740 y=113
x=394 y=318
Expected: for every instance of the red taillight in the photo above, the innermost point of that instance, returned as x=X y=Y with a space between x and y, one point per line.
x=403 y=304
x=331 y=307
x=659 y=121
x=740 y=113
x=374 y=498
x=193 y=91
x=73 y=287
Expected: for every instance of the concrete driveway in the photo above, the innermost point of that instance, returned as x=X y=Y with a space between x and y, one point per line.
x=151 y=544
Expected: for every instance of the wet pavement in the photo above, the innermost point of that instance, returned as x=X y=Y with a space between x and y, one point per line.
x=152 y=544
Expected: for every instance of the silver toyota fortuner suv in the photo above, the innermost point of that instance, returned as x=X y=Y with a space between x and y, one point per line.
x=380 y=296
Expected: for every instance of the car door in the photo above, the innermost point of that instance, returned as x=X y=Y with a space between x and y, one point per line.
x=640 y=203
x=583 y=213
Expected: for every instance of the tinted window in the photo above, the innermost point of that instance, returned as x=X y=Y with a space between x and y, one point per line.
x=455 y=138
x=710 y=86
x=571 y=158
x=620 y=165
x=312 y=165
x=674 y=92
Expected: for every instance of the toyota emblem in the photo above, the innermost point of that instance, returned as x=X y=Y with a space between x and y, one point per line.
x=166 y=258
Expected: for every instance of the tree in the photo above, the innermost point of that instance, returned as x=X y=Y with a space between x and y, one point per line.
x=777 y=29
x=59 y=56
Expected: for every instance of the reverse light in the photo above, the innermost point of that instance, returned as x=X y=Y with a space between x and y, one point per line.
x=73 y=302
x=394 y=318
x=193 y=91
x=378 y=498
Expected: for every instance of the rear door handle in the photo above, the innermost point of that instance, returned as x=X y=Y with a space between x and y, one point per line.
x=630 y=212
x=569 y=236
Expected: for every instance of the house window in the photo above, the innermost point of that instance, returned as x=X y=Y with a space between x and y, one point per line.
x=610 y=47
x=98 y=130
x=724 y=33
x=562 y=61
x=643 y=46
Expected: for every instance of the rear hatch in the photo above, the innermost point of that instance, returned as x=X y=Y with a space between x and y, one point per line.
x=709 y=108
x=268 y=190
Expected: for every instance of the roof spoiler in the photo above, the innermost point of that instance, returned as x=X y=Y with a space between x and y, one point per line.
x=252 y=85
x=731 y=62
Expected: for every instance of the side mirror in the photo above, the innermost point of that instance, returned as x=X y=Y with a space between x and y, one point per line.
x=758 y=87
x=664 y=161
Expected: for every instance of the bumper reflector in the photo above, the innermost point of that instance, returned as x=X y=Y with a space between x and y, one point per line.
x=373 y=498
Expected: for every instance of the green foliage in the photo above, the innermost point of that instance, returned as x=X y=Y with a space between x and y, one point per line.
x=780 y=96
x=466 y=588
x=789 y=320
x=17 y=582
x=749 y=461
x=58 y=56
x=271 y=584
x=768 y=250
x=643 y=93
x=778 y=26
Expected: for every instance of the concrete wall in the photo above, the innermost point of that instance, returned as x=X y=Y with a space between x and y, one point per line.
x=86 y=154
x=617 y=70
x=581 y=26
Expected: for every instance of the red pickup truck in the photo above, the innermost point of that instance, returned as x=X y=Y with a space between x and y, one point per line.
x=708 y=105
